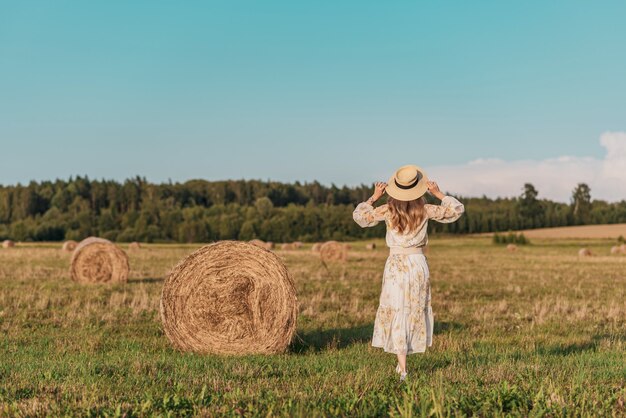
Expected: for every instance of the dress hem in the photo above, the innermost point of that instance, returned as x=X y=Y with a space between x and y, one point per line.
x=417 y=351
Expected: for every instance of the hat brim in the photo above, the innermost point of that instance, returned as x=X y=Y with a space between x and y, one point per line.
x=413 y=193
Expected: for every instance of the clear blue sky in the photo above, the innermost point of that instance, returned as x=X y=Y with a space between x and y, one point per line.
x=339 y=91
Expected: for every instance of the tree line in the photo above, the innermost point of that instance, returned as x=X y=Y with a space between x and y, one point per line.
x=203 y=211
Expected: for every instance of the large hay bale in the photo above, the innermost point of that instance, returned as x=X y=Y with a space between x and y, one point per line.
x=258 y=243
x=97 y=260
x=8 y=244
x=370 y=246
x=616 y=250
x=584 y=252
x=316 y=247
x=69 y=246
x=134 y=246
x=511 y=247
x=297 y=245
x=334 y=251
x=229 y=297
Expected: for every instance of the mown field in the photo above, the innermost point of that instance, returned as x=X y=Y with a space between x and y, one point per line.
x=532 y=333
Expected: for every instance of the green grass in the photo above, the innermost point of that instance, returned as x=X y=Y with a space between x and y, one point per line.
x=532 y=333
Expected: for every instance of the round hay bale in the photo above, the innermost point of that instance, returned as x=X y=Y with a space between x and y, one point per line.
x=511 y=247
x=333 y=251
x=584 y=252
x=287 y=247
x=8 y=244
x=134 y=246
x=370 y=246
x=623 y=248
x=316 y=247
x=69 y=246
x=615 y=250
x=258 y=243
x=229 y=297
x=297 y=245
x=97 y=260
x=269 y=245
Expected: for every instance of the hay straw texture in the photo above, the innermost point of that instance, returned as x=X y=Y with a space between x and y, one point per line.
x=69 y=246
x=316 y=247
x=8 y=244
x=334 y=251
x=258 y=243
x=229 y=297
x=511 y=247
x=584 y=252
x=97 y=260
x=134 y=246
x=370 y=246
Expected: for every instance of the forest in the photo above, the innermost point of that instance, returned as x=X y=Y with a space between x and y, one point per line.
x=204 y=211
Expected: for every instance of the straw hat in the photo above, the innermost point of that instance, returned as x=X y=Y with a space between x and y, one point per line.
x=409 y=182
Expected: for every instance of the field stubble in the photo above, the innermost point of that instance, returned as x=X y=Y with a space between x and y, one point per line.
x=539 y=331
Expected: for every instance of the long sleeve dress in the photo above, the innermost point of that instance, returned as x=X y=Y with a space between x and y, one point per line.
x=404 y=319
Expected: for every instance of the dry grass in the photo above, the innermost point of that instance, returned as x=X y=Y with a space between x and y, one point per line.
x=612 y=231
x=535 y=332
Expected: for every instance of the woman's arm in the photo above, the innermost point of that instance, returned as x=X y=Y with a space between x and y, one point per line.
x=365 y=214
x=450 y=209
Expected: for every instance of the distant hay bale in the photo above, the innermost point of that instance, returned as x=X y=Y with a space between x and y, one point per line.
x=511 y=247
x=334 y=251
x=316 y=247
x=584 y=252
x=258 y=243
x=97 y=260
x=616 y=250
x=134 y=246
x=623 y=248
x=370 y=246
x=287 y=247
x=297 y=245
x=269 y=245
x=8 y=244
x=69 y=246
x=229 y=297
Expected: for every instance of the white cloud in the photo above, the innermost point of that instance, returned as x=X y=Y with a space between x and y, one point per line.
x=554 y=177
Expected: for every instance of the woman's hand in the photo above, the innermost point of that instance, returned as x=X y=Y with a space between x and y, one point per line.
x=379 y=190
x=433 y=188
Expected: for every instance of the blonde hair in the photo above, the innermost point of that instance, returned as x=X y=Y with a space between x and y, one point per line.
x=406 y=216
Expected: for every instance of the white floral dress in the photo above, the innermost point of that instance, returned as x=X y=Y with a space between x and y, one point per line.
x=404 y=320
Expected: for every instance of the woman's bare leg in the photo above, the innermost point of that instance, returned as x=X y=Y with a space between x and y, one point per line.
x=402 y=362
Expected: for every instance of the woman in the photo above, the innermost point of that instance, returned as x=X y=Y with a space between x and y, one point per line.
x=404 y=320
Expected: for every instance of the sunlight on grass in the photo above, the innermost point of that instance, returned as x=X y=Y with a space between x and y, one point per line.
x=536 y=332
